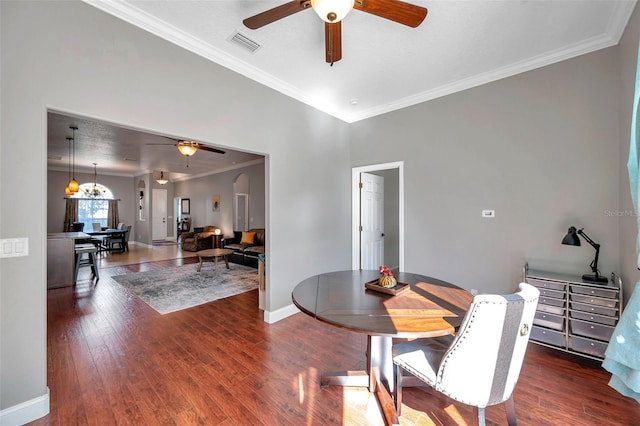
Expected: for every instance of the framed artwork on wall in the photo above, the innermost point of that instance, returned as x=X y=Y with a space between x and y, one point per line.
x=185 y=206
x=215 y=203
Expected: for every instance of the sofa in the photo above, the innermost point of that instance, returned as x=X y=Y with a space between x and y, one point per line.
x=246 y=246
x=198 y=240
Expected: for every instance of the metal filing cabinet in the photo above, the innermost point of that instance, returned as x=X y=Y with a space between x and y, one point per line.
x=573 y=315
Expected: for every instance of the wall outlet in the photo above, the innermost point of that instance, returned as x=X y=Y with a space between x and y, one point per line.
x=489 y=213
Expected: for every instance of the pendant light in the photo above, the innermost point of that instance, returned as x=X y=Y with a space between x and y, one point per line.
x=73 y=183
x=67 y=191
x=161 y=180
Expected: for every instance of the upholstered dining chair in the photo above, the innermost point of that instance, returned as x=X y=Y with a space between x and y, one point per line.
x=480 y=365
x=121 y=242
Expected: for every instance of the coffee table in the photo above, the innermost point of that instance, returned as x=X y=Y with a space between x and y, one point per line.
x=212 y=255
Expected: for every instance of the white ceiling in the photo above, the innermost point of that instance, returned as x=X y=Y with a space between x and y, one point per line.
x=385 y=66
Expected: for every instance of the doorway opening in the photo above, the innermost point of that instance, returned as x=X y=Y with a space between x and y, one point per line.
x=393 y=215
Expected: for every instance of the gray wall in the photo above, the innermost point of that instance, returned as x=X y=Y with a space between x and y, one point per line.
x=70 y=57
x=541 y=148
x=544 y=149
x=202 y=190
x=57 y=181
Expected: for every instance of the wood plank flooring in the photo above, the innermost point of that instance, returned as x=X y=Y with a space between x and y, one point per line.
x=114 y=360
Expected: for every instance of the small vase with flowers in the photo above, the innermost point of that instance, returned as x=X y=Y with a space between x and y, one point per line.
x=386 y=280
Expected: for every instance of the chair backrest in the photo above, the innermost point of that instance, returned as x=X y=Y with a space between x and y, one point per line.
x=77 y=226
x=96 y=226
x=126 y=234
x=120 y=225
x=482 y=365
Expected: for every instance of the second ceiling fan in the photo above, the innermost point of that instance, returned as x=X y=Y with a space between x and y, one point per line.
x=333 y=11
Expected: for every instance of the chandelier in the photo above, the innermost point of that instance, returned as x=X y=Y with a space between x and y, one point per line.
x=97 y=191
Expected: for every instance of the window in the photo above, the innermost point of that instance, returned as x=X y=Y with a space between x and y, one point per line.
x=93 y=204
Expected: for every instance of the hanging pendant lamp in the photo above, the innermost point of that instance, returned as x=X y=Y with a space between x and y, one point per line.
x=74 y=186
x=67 y=191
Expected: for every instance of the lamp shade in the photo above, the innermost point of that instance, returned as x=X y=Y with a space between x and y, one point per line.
x=571 y=239
x=187 y=148
x=73 y=186
x=332 y=10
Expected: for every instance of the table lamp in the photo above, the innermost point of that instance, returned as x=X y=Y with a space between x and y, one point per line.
x=571 y=239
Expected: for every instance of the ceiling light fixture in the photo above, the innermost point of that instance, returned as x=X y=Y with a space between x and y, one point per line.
x=332 y=11
x=67 y=191
x=73 y=186
x=161 y=180
x=187 y=148
x=97 y=191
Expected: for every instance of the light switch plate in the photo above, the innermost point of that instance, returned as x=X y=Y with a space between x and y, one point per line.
x=489 y=213
x=14 y=247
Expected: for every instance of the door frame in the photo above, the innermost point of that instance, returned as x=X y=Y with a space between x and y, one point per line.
x=355 y=209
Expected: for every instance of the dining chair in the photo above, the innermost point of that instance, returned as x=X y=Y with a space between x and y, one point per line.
x=121 y=241
x=96 y=226
x=480 y=365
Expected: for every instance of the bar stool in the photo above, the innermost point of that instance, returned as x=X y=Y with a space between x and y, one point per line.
x=91 y=250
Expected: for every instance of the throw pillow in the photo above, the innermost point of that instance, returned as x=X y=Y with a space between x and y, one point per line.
x=247 y=237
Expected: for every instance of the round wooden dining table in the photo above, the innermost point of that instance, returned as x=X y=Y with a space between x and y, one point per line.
x=428 y=307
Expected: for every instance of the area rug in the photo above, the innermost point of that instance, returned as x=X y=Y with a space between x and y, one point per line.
x=164 y=243
x=174 y=289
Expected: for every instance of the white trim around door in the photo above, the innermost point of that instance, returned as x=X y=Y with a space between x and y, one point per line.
x=355 y=203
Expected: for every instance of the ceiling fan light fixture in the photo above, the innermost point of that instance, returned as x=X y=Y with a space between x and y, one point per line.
x=332 y=11
x=187 y=148
x=161 y=180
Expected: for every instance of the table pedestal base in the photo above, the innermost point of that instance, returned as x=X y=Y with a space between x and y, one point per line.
x=378 y=378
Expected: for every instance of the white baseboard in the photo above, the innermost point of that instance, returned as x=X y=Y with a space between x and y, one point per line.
x=25 y=412
x=274 y=316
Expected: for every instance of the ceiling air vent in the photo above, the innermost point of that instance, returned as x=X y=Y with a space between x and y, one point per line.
x=244 y=41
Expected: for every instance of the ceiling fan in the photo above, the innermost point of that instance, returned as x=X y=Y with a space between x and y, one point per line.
x=333 y=11
x=188 y=148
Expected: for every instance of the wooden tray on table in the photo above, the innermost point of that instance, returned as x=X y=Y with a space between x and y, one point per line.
x=399 y=288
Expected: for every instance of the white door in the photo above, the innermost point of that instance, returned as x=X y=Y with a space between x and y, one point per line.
x=159 y=214
x=371 y=221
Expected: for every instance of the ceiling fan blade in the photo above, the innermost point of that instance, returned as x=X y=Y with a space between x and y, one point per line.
x=208 y=148
x=333 y=41
x=394 y=10
x=278 y=12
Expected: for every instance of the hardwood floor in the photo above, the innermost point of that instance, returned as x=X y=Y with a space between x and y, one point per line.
x=114 y=360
